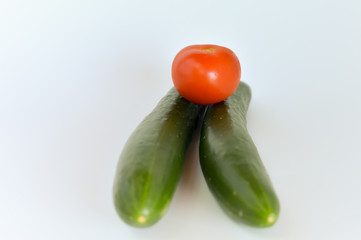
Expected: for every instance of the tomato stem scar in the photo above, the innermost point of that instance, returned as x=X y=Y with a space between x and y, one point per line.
x=208 y=49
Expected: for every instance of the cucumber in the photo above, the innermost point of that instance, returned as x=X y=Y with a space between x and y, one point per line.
x=151 y=161
x=232 y=166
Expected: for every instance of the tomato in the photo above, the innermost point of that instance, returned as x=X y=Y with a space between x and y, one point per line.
x=206 y=74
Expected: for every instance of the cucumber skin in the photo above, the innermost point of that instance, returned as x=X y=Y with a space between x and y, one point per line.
x=231 y=164
x=151 y=161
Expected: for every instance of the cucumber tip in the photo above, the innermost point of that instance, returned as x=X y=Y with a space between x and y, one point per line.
x=141 y=219
x=271 y=218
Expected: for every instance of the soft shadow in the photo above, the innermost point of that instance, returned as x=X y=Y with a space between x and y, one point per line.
x=187 y=184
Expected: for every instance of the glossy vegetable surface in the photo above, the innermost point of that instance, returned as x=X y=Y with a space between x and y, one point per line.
x=232 y=166
x=151 y=162
x=206 y=74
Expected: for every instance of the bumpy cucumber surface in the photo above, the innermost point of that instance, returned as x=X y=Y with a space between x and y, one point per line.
x=151 y=161
x=232 y=166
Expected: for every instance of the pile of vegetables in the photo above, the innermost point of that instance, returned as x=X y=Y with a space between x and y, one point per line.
x=207 y=84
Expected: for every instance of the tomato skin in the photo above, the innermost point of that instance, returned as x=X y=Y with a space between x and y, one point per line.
x=206 y=74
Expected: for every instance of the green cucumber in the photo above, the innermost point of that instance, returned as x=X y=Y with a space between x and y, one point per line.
x=151 y=161
x=232 y=166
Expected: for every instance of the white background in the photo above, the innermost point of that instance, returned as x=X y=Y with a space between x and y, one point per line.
x=76 y=78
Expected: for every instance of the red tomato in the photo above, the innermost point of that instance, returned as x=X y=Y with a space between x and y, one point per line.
x=206 y=74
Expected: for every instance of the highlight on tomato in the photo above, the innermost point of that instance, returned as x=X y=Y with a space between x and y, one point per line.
x=206 y=74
